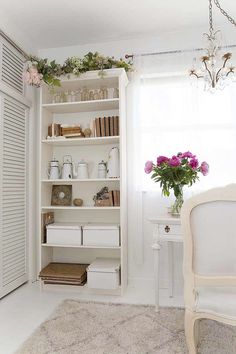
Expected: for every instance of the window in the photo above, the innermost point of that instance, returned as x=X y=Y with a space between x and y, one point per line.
x=177 y=117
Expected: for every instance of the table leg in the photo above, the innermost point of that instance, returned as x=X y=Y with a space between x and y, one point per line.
x=170 y=268
x=156 y=249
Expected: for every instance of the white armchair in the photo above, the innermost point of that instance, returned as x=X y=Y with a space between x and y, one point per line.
x=209 y=229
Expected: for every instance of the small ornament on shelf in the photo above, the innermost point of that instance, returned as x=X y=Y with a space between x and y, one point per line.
x=87 y=132
x=78 y=202
x=61 y=195
x=107 y=198
x=102 y=198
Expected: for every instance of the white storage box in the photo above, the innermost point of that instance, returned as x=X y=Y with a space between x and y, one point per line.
x=106 y=235
x=104 y=273
x=64 y=234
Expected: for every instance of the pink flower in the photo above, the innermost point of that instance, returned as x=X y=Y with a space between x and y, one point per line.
x=174 y=161
x=32 y=77
x=148 y=167
x=204 y=168
x=193 y=163
x=161 y=159
x=187 y=154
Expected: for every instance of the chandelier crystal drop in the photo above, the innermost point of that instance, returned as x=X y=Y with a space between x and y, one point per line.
x=215 y=70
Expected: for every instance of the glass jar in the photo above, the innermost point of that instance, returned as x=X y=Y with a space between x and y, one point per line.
x=62 y=97
x=73 y=96
x=105 y=93
x=85 y=94
x=65 y=96
x=57 y=97
x=91 y=95
x=115 y=92
x=69 y=97
x=96 y=95
x=53 y=97
x=78 y=94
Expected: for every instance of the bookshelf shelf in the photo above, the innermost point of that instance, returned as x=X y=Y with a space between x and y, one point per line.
x=89 y=180
x=52 y=207
x=82 y=246
x=82 y=141
x=82 y=106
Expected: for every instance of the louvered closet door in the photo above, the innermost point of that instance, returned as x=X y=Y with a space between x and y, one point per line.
x=12 y=65
x=13 y=236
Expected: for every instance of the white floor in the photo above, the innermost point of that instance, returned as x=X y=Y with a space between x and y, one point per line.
x=22 y=311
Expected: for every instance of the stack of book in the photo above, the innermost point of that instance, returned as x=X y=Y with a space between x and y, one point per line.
x=64 y=274
x=106 y=126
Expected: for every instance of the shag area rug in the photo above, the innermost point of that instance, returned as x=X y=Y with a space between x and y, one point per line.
x=98 y=328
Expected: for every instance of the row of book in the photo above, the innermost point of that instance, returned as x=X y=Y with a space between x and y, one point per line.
x=106 y=126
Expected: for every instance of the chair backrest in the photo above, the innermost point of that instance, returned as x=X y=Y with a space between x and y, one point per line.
x=208 y=223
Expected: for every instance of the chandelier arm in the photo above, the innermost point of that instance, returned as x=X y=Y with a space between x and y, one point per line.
x=208 y=70
x=229 y=18
x=219 y=71
x=230 y=71
x=197 y=76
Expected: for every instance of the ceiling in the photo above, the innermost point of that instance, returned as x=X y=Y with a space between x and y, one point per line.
x=57 y=23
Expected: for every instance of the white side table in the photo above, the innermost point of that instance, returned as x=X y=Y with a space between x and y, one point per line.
x=166 y=229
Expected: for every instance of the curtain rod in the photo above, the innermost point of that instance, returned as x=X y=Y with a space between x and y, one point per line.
x=177 y=51
x=18 y=48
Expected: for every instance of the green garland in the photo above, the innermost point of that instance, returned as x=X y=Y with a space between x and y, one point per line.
x=50 y=71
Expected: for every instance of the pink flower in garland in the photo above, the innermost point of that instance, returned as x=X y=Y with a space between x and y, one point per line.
x=161 y=159
x=32 y=77
x=174 y=161
x=148 y=167
x=193 y=163
x=204 y=168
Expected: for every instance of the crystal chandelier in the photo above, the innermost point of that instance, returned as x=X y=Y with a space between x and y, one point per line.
x=215 y=71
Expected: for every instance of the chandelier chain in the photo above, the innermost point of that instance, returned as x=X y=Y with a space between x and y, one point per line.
x=210 y=17
x=230 y=19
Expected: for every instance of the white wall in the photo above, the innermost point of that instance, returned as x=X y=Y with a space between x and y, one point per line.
x=188 y=39
x=22 y=39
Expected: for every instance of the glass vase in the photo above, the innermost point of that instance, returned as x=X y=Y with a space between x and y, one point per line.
x=179 y=200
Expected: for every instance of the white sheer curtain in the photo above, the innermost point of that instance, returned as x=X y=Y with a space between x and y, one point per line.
x=167 y=115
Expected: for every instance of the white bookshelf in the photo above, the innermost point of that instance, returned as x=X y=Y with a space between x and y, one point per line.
x=93 y=150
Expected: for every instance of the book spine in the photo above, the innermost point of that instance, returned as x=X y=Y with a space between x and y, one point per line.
x=115 y=198
x=102 y=121
x=112 y=126
x=98 y=129
x=118 y=198
x=116 y=128
x=111 y=199
x=107 y=130
x=91 y=128
x=118 y=125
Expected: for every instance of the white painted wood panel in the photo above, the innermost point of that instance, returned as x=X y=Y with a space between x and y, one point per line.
x=13 y=194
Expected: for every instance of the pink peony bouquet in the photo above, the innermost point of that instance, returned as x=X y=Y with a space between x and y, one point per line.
x=176 y=172
x=32 y=77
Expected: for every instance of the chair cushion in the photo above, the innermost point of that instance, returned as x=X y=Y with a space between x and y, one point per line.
x=217 y=300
